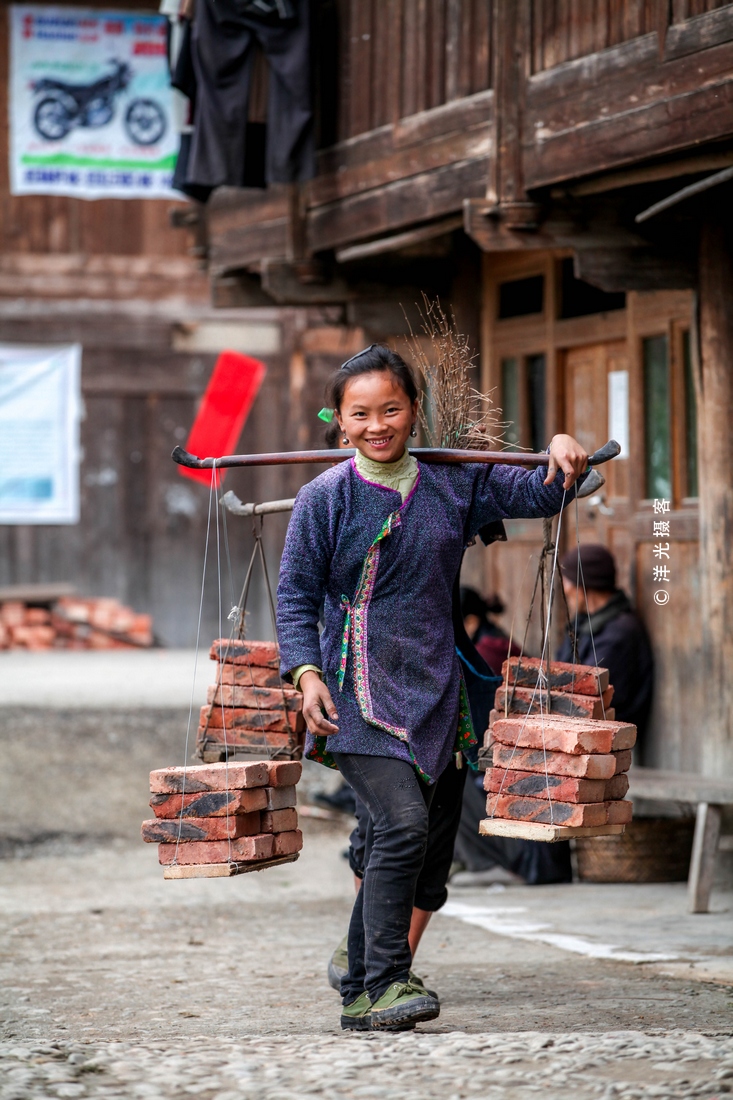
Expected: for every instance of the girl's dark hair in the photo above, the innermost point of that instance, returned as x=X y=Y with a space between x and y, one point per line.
x=375 y=357
x=332 y=433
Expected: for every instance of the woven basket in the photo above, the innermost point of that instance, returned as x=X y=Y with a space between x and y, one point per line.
x=652 y=849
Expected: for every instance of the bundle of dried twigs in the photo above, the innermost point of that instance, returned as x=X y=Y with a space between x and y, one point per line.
x=453 y=413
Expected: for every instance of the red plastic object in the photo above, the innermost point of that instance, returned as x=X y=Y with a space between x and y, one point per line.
x=229 y=396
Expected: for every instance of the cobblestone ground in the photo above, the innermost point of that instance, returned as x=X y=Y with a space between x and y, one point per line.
x=624 y=1065
x=116 y=984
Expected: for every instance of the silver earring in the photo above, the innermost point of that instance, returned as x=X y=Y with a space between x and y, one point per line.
x=413 y=431
x=345 y=440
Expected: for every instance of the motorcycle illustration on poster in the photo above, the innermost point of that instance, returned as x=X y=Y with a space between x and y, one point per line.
x=91 y=106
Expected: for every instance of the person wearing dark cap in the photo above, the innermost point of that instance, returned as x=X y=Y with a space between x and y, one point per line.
x=609 y=633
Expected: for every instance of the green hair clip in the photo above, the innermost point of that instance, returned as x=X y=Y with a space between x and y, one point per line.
x=326 y=415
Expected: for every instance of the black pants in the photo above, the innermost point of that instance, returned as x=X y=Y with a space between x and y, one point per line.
x=397 y=801
x=444 y=815
x=222 y=51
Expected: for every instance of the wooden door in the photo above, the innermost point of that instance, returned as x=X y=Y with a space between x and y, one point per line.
x=596 y=389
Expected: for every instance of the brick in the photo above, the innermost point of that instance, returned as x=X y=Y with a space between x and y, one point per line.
x=280 y=798
x=548 y=813
x=37 y=616
x=284 y=773
x=209 y=804
x=558 y=788
x=166 y=831
x=242 y=652
x=232 y=717
x=574 y=735
x=266 y=738
x=523 y=700
x=279 y=821
x=235 y=776
x=577 y=679
x=617 y=787
x=245 y=849
x=33 y=637
x=286 y=844
x=248 y=676
x=620 y=813
x=623 y=761
x=12 y=613
x=233 y=695
x=582 y=765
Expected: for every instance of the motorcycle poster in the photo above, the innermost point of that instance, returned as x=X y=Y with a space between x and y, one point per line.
x=91 y=106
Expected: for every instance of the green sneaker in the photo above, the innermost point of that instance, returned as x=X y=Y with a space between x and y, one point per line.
x=358 y=1015
x=419 y=984
x=403 y=1004
x=338 y=968
x=338 y=965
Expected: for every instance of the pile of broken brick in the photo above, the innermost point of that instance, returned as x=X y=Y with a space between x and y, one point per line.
x=249 y=710
x=553 y=753
x=227 y=814
x=73 y=622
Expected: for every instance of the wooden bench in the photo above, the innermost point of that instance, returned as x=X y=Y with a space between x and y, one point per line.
x=710 y=796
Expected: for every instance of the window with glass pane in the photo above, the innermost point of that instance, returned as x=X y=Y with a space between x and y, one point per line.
x=657 y=419
x=510 y=400
x=536 y=401
x=691 y=489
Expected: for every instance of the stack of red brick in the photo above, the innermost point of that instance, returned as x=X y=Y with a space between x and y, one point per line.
x=73 y=623
x=556 y=758
x=224 y=813
x=248 y=708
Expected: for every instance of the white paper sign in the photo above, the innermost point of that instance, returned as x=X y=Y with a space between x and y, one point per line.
x=90 y=104
x=618 y=409
x=40 y=405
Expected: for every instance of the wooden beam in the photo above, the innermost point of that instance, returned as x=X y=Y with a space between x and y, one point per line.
x=622 y=269
x=618 y=106
x=400 y=240
x=670 y=786
x=396 y=205
x=244 y=224
x=400 y=163
x=715 y=451
x=704 y=851
x=282 y=282
x=647 y=173
x=550 y=834
x=699 y=33
x=483 y=222
x=511 y=44
x=223 y=870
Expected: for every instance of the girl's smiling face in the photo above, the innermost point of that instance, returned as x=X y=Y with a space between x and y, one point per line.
x=377 y=415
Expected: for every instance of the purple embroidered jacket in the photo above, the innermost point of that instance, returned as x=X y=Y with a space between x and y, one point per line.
x=384 y=572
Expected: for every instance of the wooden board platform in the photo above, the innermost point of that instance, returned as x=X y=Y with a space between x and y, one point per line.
x=224 y=870
x=533 y=830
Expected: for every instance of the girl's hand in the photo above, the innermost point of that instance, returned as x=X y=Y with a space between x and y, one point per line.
x=566 y=454
x=316 y=700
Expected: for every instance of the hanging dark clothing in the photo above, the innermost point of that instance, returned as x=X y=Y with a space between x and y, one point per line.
x=622 y=646
x=221 y=52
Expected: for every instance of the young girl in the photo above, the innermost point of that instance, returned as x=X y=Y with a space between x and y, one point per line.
x=377 y=542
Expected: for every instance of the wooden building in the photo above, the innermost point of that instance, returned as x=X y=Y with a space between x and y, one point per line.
x=119 y=278
x=507 y=155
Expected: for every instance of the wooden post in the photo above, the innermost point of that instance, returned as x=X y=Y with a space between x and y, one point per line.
x=704 y=850
x=715 y=460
